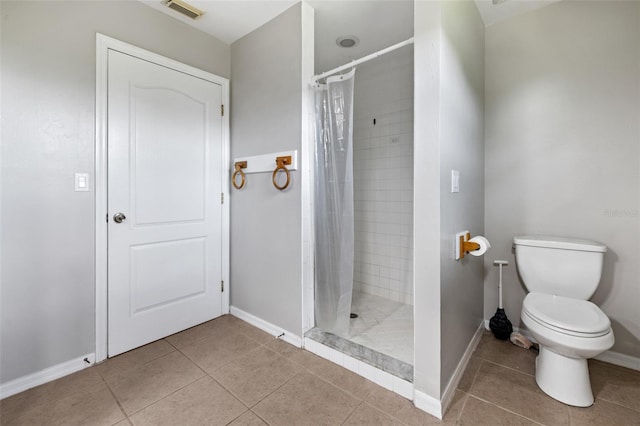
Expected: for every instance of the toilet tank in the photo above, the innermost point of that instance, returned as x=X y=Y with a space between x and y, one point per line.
x=567 y=267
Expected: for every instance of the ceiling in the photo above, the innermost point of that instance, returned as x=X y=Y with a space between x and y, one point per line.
x=495 y=13
x=228 y=20
x=377 y=23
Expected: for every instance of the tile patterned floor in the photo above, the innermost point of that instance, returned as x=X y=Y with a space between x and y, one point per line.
x=383 y=325
x=225 y=372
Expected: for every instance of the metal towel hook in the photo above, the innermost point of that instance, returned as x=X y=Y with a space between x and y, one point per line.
x=281 y=162
x=239 y=166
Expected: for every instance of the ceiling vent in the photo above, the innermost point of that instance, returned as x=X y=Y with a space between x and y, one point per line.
x=184 y=8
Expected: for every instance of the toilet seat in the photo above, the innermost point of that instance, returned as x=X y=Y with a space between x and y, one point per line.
x=574 y=317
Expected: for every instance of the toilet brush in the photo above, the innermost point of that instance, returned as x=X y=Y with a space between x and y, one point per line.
x=499 y=323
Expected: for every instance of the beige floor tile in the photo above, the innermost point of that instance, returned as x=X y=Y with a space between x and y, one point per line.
x=470 y=373
x=214 y=352
x=124 y=422
x=519 y=393
x=248 y=419
x=254 y=333
x=356 y=385
x=134 y=358
x=306 y=399
x=94 y=407
x=210 y=329
x=73 y=384
x=283 y=348
x=505 y=353
x=203 y=402
x=256 y=374
x=480 y=413
x=136 y=388
x=305 y=359
x=454 y=410
x=615 y=384
x=399 y=407
x=604 y=413
x=366 y=415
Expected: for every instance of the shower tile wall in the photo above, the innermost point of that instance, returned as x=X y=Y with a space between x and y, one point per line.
x=383 y=177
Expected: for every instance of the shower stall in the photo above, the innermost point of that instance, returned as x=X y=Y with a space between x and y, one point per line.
x=364 y=209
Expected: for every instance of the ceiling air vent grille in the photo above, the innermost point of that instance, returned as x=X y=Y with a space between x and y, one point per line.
x=184 y=8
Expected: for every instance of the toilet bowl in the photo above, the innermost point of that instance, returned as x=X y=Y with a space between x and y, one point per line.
x=569 y=331
x=561 y=274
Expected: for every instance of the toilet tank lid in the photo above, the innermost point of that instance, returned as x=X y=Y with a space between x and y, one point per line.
x=564 y=243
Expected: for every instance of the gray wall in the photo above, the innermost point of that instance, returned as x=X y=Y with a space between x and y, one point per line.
x=449 y=99
x=266 y=224
x=563 y=146
x=48 y=97
x=462 y=149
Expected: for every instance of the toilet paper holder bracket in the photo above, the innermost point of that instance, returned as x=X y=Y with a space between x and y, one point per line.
x=463 y=245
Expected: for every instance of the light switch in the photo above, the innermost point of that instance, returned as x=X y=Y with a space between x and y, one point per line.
x=82 y=182
x=455 y=181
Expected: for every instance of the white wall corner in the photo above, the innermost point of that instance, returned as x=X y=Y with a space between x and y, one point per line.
x=427 y=404
x=267 y=327
x=306 y=167
x=47 y=375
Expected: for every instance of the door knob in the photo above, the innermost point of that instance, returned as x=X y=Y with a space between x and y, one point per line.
x=119 y=217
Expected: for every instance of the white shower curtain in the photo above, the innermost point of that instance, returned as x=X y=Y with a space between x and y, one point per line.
x=333 y=203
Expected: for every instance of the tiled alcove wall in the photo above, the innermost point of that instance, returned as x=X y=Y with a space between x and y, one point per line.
x=383 y=176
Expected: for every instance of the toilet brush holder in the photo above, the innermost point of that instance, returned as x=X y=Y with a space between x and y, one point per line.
x=499 y=324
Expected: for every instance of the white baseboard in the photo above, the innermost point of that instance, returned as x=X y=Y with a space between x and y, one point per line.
x=622 y=360
x=267 y=327
x=615 y=358
x=428 y=404
x=450 y=390
x=43 y=376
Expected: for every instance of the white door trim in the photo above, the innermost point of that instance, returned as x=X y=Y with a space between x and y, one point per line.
x=103 y=45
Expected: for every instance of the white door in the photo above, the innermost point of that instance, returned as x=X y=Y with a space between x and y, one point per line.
x=165 y=214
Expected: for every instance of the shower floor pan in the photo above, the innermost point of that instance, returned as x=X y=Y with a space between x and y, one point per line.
x=376 y=359
x=381 y=335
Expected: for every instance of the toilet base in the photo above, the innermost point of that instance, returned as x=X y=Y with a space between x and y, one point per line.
x=563 y=378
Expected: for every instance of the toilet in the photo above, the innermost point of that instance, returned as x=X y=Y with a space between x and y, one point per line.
x=561 y=274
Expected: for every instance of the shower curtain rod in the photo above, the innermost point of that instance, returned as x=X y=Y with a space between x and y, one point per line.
x=362 y=60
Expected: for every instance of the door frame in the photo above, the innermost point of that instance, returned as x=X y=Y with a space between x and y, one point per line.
x=103 y=45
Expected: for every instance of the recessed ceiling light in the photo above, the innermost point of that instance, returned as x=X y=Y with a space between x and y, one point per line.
x=347 y=41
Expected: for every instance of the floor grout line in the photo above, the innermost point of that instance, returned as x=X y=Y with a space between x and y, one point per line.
x=464 y=404
x=126 y=416
x=385 y=412
x=475 y=375
x=339 y=387
x=616 y=403
x=258 y=416
x=505 y=409
x=508 y=367
x=275 y=390
x=351 y=413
